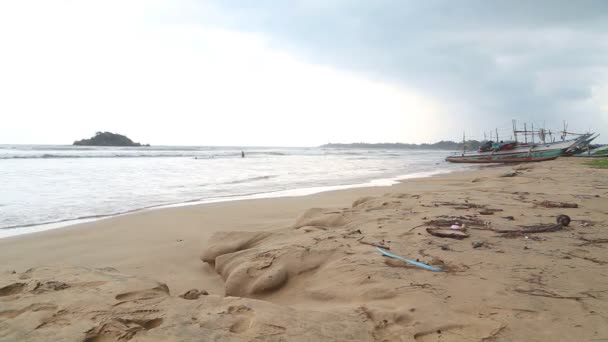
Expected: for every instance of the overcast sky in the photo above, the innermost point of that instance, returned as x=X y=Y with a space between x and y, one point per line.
x=299 y=73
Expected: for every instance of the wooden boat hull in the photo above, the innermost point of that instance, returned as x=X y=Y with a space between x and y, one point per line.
x=600 y=152
x=569 y=147
x=506 y=157
x=585 y=155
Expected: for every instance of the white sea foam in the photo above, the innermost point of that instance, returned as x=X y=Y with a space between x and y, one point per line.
x=41 y=194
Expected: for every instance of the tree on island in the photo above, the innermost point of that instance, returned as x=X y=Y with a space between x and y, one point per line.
x=107 y=139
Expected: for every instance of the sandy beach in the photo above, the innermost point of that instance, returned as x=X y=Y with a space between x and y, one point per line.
x=307 y=268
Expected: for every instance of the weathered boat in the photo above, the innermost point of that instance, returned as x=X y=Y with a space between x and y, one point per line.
x=516 y=155
x=598 y=152
x=582 y=145
x=519 y=154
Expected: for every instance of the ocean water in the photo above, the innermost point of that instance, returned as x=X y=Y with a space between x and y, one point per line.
x=43 y=187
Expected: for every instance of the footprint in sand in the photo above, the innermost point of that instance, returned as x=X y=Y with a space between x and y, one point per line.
x=162 y=290
x=388 y=325
x=12 y=289
x=49 y=286
x=438 y=333
x=244 y=318
x=483 y=331
x=120 y=329
x=10 y=314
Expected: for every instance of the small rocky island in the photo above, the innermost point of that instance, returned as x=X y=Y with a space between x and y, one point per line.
x=107 y=139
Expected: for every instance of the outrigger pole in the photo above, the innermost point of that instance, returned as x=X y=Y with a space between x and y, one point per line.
x=464 y=145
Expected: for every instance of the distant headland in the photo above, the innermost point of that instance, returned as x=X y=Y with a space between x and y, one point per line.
x=441 y=145
x=107 y=139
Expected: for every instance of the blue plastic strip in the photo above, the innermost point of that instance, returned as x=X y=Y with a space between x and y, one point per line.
x=413 y=262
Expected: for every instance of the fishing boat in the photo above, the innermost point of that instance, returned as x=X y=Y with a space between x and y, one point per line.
x=598 y=152
x=517 y=153
x=582 y=146
x=528 y=151
x=571 y=146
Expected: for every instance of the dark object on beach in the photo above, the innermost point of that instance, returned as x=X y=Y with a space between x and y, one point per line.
x=447 y=233
x=486 y=212
x=242 y=154
x=477 y=244
x=564 y=220
x=456 y=205
x=448 y=221
x=510 y=218
x=194 y=294
x=380 y=244
x=107 y=139
x=551 y=204
x=539 y=228
x=445 y=248
x=489 y=211
x=420 y=225
x=510 y=174
x=588 y=242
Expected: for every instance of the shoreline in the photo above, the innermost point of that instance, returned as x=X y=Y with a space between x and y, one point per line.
x=301 y=268
x=11 y=231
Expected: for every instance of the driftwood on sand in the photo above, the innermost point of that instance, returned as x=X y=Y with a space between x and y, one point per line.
x=588 y=242
x=562 y=221
x=489 y=211
x=459 y=205
x=539 y=228
x=447 y=221
x=380 y=245
x=552 y=204
x=447 y=233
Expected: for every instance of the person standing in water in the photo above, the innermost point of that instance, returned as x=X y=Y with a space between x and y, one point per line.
x=242 y=154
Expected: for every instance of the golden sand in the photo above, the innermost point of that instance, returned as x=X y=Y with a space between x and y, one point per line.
x=307 y=269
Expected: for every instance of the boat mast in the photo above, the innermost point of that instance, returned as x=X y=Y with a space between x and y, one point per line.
x=515 y=130
x=544 y=131
x=532 y=133
x=464 y=145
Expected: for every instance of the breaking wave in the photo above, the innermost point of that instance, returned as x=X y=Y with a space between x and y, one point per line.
x=251 y=179
x=138 y=155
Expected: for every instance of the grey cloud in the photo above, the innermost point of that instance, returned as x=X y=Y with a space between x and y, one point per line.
x=498 y=59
